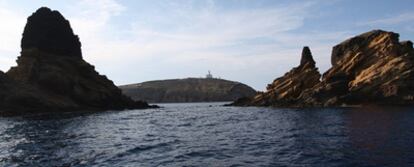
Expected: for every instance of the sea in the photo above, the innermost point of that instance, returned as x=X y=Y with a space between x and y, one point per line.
x=209 y=134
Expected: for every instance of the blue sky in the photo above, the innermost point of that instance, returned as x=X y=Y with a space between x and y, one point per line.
x=249 y=41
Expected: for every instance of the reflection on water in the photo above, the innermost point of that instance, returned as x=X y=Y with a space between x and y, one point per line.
x=206 y=134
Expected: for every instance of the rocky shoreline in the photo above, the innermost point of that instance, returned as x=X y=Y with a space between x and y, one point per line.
x=373 y=68
x=51 y=75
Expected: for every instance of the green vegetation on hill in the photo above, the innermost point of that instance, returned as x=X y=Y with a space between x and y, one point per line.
x=188 y=90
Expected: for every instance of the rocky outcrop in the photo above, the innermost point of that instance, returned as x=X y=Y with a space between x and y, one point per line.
x=52 y=76
x=50 y=32
x=286 y=90
x=188 y=90
x=373 y=68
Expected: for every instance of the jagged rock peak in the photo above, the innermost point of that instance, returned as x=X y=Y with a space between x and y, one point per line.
x=306 y=56
x=48 y=31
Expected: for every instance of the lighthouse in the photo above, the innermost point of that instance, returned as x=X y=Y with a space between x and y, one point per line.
x=209 y=75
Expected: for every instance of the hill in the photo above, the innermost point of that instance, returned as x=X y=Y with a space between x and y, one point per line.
x=188 y=90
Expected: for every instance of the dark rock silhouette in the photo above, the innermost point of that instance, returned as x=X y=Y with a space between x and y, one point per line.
x=306 y=56
x=16 y=97
x=52 y=76
x=188 y=90
x=50 y=32
x=373 y=68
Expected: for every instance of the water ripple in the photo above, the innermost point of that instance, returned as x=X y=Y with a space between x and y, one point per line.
x=206 y=134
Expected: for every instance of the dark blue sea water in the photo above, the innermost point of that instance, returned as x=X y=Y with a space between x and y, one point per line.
x=206 y=134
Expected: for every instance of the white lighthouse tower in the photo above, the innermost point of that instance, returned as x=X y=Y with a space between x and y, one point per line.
x=209 y=75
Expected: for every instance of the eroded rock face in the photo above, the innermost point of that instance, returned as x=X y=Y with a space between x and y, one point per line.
x=373 y=68
x=51 y=72
x=286 y=90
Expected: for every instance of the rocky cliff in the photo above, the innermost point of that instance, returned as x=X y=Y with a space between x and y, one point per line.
x=286 y=90
x=52 y=76
x=188 y=90
x=373 y=68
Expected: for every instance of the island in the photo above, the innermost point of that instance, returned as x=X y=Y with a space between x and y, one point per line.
x=207 y=89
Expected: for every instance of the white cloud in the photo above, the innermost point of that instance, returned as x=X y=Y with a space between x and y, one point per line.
x=207 y=38
x=90 y=20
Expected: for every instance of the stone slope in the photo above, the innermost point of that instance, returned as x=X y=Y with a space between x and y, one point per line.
x=188 y=90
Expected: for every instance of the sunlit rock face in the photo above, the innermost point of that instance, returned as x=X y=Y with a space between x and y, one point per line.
x=373 y=68
x=51 y=64
x=286 y=90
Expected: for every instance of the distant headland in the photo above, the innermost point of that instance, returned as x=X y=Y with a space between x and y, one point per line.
x=208 y=89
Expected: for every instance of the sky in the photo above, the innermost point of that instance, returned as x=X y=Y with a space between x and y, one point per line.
x=250 y=41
